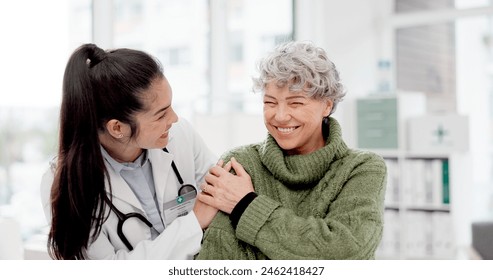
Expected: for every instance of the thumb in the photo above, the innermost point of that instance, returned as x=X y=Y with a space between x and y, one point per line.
x=240 y=171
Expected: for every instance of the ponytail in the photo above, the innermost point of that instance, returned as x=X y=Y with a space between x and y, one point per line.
x=79 y=179
x=97 y=86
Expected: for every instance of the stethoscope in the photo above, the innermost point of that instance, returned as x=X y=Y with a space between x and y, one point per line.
x=184 y=189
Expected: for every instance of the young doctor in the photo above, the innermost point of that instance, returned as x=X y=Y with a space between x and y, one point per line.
x=124 y=183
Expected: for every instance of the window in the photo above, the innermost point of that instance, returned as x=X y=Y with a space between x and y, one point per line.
x=174 y=57
x=209 y=51
x=406 y=6
x=450 y=59
x=37 y=43
x=178 y=32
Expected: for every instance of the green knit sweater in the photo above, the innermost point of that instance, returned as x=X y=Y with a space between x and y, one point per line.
x=324 y=205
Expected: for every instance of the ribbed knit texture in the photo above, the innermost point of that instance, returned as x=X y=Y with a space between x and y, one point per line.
x=324 y=205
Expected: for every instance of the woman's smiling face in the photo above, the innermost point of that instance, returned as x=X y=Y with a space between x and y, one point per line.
x=294 y=119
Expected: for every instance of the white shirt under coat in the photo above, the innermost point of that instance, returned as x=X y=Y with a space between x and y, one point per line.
x=179 y=240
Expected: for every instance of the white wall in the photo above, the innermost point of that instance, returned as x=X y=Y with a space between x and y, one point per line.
x=354 y=38
x=352 y=32
x=242 y=129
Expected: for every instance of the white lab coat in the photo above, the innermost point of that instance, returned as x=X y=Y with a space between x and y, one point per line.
x=182 y=238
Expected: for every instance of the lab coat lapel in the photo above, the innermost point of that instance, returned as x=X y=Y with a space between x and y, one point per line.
x=121 y=190
x=161 y=170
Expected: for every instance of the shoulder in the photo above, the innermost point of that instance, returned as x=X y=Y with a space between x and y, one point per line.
x=366 y=160
x=45 y=189
x=243 y=153
x=46 y=183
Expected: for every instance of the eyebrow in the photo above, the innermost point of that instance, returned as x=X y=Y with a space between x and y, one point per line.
x=161 y=110
x=287 y=98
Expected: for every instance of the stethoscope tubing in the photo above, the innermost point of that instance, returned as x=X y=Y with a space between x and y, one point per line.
x=185 y=188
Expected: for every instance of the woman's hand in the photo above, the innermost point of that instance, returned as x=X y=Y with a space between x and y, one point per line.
x=222 y=189
x=205 y=213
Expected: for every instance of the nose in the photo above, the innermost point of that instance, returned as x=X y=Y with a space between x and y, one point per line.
x=282 y=113
x=174 y=116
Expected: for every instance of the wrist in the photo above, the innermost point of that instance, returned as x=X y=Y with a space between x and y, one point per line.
x=240 y=208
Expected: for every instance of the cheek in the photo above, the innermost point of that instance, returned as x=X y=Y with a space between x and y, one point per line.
x=268 y=113
x=316 y=114
x=150 y=131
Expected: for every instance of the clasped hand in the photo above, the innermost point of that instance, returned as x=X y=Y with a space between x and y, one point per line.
x=222 y=189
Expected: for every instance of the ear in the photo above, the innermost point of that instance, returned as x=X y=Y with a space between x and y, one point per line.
x=117 y=129
x=328 y=109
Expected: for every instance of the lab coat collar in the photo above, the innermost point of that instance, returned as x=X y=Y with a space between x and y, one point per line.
x=161 y=165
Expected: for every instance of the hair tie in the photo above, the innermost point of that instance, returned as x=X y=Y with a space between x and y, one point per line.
x=95 y=55
x=91 y=62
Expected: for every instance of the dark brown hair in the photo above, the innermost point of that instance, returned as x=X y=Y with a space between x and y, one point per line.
x=97 y=86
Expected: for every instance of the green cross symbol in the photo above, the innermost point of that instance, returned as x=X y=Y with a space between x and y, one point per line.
x=440 y=133
x=179 y=199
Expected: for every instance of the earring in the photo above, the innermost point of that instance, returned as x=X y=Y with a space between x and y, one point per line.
x=120 y=136
x=326 y=127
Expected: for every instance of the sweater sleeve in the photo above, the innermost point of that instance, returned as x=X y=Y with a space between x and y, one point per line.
x=351 y=229
x=220 y=242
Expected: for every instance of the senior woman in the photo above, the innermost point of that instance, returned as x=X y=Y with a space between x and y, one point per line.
x=301 y=193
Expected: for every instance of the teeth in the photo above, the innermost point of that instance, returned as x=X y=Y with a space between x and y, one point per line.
x=285 y=129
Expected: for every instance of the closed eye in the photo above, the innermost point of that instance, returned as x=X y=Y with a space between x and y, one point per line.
x=162 y=116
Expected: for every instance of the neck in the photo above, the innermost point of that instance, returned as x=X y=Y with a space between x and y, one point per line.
x=119 y=150
x=319 y=144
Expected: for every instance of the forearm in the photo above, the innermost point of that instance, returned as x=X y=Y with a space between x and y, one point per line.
x=180 y=240
x=220 y=242
x=280 y=234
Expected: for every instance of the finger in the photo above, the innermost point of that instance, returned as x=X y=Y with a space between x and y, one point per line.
x=227 y=167
x=210 y=190
x=210 y=178
x=217 y=171
x=220 y=163
x=203 y=187
x=207 y=199
x=240 y=171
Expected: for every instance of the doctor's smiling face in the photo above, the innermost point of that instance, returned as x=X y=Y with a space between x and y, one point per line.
x=148 y=128
x=294 y=119
x=156 y=120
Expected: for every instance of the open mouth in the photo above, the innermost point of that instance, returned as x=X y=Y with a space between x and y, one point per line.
x=286 y=129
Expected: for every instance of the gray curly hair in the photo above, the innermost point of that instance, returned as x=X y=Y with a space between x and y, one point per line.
x=303 y=67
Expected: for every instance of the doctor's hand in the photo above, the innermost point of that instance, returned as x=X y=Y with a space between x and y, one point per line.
x=204 y=213
x=222 y=189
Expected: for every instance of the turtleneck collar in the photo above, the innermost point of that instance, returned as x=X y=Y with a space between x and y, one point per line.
x=303 y=170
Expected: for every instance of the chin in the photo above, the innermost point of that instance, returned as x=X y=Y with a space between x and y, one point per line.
x=285 y=146
x=160 y=144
